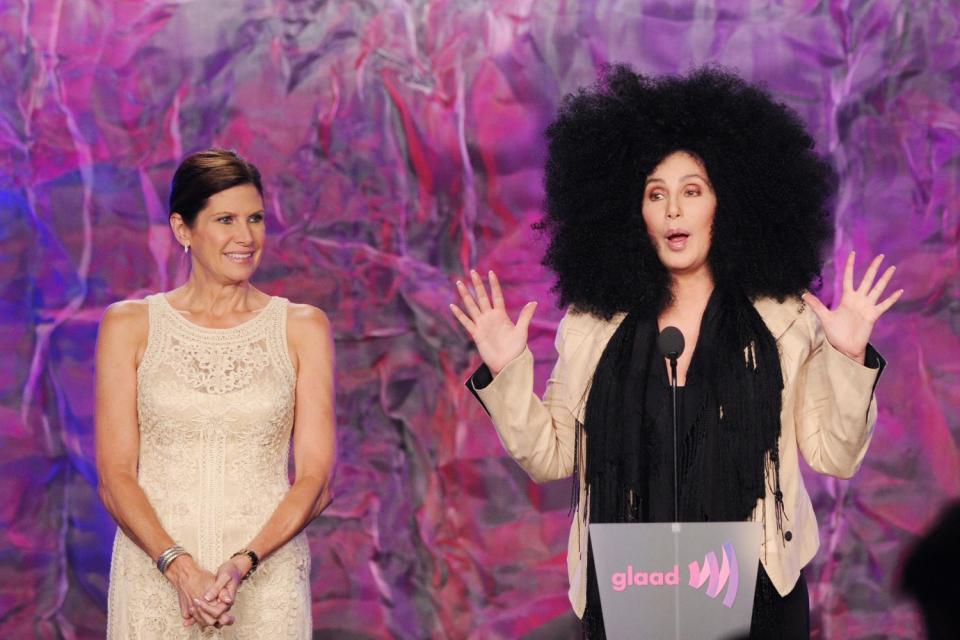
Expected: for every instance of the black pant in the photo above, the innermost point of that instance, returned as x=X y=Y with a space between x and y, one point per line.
x=777 y=617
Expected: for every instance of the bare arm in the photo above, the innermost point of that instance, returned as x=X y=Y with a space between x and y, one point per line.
x=122 y=339
x=314 y=445
x=122 y=336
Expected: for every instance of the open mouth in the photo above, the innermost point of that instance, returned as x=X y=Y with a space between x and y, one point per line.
x=677 y=239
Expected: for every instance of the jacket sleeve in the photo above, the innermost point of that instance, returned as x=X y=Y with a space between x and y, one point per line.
x=539 y=434
x=836 y=408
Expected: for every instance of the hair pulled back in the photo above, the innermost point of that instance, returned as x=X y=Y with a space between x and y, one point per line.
x=205 y=173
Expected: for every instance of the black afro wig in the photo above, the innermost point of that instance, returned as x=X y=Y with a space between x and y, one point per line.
x=772 y=222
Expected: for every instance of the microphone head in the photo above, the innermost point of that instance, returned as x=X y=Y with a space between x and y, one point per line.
x=670 y=342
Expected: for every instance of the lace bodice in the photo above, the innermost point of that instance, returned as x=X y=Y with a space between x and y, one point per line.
x=215 y=409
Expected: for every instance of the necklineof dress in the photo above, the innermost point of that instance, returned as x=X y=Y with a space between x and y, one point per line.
x=197 y=328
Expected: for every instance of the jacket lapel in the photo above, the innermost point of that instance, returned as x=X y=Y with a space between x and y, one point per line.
x=779 y=316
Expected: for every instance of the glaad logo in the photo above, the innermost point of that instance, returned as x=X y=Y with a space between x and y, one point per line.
x=716 y=574
x=631 y=578
x=720 y=574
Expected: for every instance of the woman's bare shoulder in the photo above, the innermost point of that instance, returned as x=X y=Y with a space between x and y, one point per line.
x=124 y=328
x=126 y=315
x=305 y=321
x=306 y=313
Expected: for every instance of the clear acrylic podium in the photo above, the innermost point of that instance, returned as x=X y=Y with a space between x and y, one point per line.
x=689 y=581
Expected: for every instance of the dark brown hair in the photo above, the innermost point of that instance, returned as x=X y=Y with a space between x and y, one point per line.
x=204 y=173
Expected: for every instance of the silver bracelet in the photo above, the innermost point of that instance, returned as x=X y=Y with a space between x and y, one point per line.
x=169 y=556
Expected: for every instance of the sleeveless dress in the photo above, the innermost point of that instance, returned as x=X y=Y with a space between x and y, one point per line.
x=215 y=412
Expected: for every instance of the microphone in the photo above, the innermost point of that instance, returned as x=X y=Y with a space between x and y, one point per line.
x=670 y=343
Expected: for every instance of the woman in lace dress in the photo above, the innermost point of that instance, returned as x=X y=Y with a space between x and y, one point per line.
x=199 y=392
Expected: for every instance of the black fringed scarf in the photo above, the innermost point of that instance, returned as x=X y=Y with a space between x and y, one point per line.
x=736 y=357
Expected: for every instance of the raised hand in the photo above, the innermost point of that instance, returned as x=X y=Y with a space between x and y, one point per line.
x=498 y=339
x=848 y=327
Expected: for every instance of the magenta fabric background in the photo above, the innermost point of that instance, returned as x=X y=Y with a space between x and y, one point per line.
x=401 y=143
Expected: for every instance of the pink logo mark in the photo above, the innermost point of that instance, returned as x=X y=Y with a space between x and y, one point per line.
x=719 y=574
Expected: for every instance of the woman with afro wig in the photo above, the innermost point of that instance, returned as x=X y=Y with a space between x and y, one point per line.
x=695 y=202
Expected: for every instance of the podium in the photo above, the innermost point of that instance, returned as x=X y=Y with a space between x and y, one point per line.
x=689 y=581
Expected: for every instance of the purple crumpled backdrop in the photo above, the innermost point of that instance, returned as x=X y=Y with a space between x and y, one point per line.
x=401 y=143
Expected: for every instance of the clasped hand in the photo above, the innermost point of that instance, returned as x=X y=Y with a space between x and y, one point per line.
x=206 y=599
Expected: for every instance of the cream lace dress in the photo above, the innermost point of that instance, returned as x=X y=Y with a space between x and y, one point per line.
x=215 y=410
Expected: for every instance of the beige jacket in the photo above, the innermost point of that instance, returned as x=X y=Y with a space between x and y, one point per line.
x=829 y=411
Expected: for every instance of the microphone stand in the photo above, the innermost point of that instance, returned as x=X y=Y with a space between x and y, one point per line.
x=673 y=355
x=673 y=393
x=670 y=343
